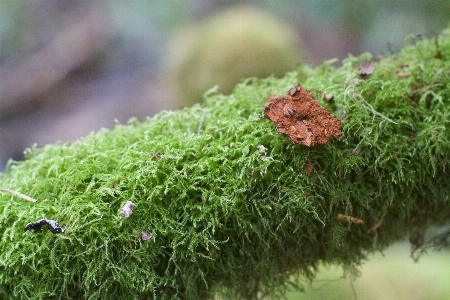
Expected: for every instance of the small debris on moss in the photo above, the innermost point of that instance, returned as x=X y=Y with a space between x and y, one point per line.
x=20 y=195
x=425 y=88
x=145 y=236
x=308 y=167
x=156 y=154
x=376 y=226
x=51 y=225
x=351 y=219
x=403 y=75
x=365 y=69
x=299 y=116
x=329 y=98
x=127 y=209
x=262 y=150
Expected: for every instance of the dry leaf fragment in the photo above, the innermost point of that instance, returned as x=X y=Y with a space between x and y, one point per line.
x=299 y=116
x=127 y=209
x=365 y=69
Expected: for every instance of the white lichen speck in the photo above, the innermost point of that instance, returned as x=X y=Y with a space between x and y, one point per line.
x=262 y=149
x=127 y=209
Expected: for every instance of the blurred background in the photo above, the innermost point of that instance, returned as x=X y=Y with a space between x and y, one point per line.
x=70 y=67
x=391 y=275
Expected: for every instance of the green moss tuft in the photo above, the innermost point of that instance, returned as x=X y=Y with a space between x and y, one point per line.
x=226 y=216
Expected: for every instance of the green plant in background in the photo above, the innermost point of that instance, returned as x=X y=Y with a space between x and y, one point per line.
x=235 y=44
x=223 y=204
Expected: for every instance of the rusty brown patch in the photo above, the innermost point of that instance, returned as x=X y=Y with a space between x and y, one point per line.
x=299 y=116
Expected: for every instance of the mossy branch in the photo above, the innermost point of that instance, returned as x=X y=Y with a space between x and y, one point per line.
x=233 y=207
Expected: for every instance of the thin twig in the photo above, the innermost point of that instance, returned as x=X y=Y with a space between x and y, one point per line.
x=20 y=195
x=376 y=226
x=425 y=88
x=350 y=219
x=403 y=75
x=202 y=119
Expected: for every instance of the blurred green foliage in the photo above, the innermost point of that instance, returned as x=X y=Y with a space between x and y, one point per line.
x=233 y=45
x=390 y=275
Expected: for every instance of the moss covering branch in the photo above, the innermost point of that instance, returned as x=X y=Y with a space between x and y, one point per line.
x=232 y=207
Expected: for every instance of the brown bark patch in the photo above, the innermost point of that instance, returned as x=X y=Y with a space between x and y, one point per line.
x=299 y=116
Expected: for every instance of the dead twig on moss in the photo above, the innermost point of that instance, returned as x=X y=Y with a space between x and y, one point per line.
x=350 y=219
x=425 y=88
x=379 y=223
x=20 y=195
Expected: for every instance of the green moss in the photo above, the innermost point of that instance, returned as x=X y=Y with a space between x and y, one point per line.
x=225 y=216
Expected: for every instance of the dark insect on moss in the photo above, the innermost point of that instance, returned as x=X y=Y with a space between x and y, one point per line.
x=51 y=225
